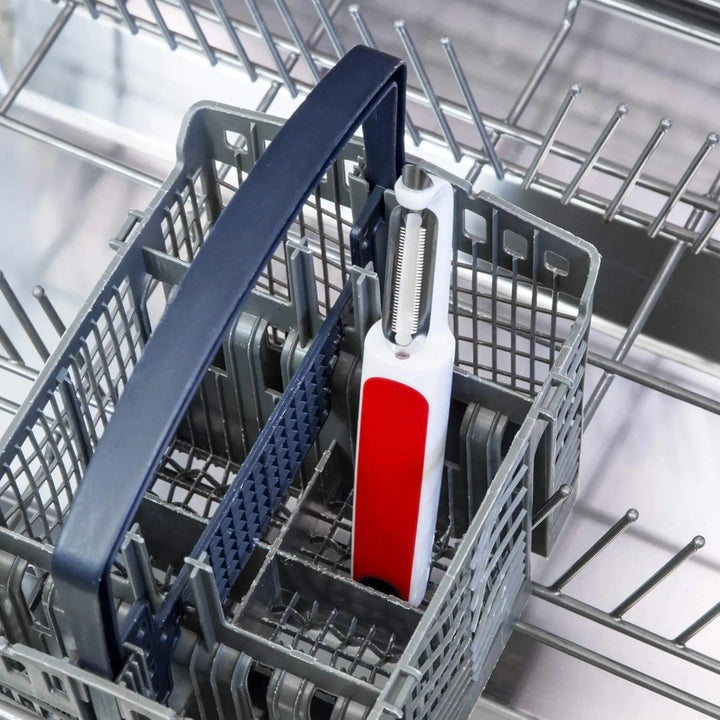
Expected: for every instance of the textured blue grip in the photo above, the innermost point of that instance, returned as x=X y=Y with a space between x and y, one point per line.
x=365 y=87
x=274 y=459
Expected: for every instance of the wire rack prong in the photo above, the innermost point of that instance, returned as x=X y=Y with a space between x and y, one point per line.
x=368 y=40
x=549 y=137
x=330 y=28
x=710 y=142
x=587 y=165
x=618 y=528
x=632 y=177
x=656 y=578
x=432 y=97
x=235 y=40
x=22 y=317
x=472 y=107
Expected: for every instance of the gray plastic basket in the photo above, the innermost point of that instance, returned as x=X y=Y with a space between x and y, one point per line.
x=296 y=637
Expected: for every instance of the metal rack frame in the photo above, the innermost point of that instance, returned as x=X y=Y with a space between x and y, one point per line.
x=696 y=234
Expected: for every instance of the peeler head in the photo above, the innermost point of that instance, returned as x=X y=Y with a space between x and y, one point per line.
x=410 y=267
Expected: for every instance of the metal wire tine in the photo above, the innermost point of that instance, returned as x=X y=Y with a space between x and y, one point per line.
x=620 y=526
x=329 y=27
x=554 y=502
x=704 y=237
x=8 y=406
x=692 y=547
x=368 y=40
x=545 y=61
x=126 y=16
x=101 y=161
x=620 y=112
x=49 y=309
x=292 y=58
x=91 y=8
x=428 y=88
x=362 y=26
x=18 y=368
x=160 y=20
x=700 y=624
x=23 y=319
x=192 y=19
x=697 y=214
x=646 y=307
x=651 y=381
x=234 y=39
x=37 y=57
x=472 y=107
x=629 y=182
x=7 y=345
x=550 y=135
x=649 y=301
x=271 y=46
x=287 y=16
x=710 y=142
x=627 y=628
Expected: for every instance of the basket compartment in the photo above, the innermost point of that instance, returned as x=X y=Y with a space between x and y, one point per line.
x=336 y=622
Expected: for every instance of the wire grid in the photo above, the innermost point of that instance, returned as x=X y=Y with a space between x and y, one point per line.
x=190 y=476
x=187 y=218
x=675 y=644
x=508 y=328
x=569 y=422
x=193 y=479
x=41 y=476
x=292 y=60
x=16 y=372
x=324 y=223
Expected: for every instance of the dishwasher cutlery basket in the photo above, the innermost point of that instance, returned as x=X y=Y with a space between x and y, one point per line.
x=176 y=493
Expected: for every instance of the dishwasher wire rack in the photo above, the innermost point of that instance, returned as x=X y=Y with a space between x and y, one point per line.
x=705 y=211
x=212 y=32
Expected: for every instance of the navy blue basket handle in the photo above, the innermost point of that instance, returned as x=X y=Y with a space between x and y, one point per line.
x=365 y=87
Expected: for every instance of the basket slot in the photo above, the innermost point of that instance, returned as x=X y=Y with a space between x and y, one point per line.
x=336 y=622
x=320 y=532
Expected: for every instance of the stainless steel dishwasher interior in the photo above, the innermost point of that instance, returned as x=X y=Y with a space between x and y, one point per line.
x=88 y=119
